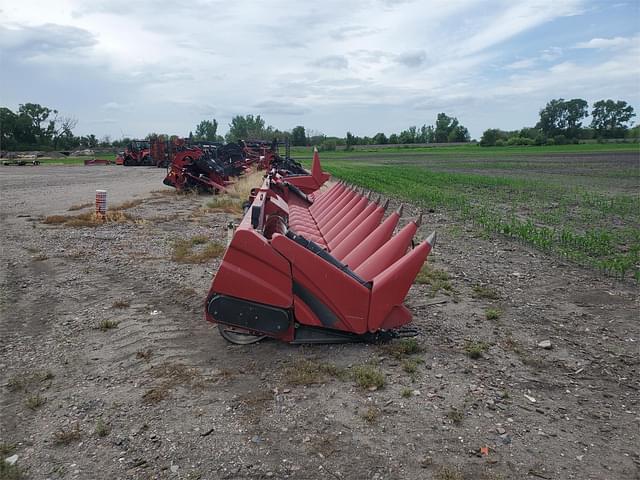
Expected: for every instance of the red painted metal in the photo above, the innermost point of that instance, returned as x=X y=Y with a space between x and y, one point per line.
x=353 y=280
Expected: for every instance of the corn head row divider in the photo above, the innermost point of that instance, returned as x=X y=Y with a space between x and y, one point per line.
x=307 y=265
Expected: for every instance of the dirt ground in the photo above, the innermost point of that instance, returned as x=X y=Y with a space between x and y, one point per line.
x=162 y=395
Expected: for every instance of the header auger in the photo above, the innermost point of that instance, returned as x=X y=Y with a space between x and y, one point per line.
x=315 y=267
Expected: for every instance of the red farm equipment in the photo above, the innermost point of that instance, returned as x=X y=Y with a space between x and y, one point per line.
x=306 y=266
x=205 y=166
x=136 y=153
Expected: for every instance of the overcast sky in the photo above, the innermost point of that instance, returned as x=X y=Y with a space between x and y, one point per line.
x=127 y=67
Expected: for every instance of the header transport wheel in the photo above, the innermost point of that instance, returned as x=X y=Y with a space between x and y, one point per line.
x=236 y=336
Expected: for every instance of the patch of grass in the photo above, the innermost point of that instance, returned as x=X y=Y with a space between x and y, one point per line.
x=25 y=381
x=121 y=304
x=403 y=347
x=7 y=449
x=309 y=372
x=155 y=395
x=368 y=376
x=371 y=415
x=172 y=375
x=89 y=219
x=128 y=204
x=66 y=436
x=410 y=365
x=105 y=324
x=449 y=473
x=455 y=415
x=488 y=293
x=406 y=392
x=492 y=313
x=225 y=203
x=80 y=206
x=102 y=428
x=438 y=279
x=34 y=402
x=144 y=354
x=475 y=349
x=10 y=472
x=184 y=252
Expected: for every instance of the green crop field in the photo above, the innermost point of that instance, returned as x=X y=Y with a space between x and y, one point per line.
x=580 y=202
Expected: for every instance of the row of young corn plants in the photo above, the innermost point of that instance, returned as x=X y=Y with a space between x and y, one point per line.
x=592 y=229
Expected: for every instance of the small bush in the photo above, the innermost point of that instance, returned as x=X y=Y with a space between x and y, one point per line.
x=492 y=313
x=368 y=376
x=105 y=325
x=65 y=437
x=34 y=402
x=455 y=415
x=410 y=366
x=488 y=293
x=406 y=392
x=102 y=429
x=475 y=349
x=371 y=415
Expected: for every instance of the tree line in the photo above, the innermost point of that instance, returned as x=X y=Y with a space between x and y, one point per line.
x=34 y=127
x=561 y=123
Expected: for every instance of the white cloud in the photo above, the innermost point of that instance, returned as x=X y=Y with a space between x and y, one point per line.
x=602 y=43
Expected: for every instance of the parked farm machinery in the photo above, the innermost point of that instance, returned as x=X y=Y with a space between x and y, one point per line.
x=136 y=153
x=209 y=166
x=310 y=266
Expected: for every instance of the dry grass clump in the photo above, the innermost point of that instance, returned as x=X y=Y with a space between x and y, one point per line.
x=403 y=348
x=184 y=251
x=308 y=372
x=105 y=325
x=475 y=349
x=371 y=414
x=65 y=437
x=128 y=204
x=368 y=376
x=235 y=194
x=449 y=473
x=480 y=291
x=89 y=219
x=80 y=206
x=24 y=381
x=121 y=304
x=172 y=375
x=102 y=428
x=224 y=203
x=438 y=279
x=33 y=402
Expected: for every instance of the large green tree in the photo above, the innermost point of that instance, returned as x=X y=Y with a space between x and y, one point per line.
x=249 y=127
x=563 y=117
x=449 y=129
x=298 y=136
x=611 y=118
x=207 y=130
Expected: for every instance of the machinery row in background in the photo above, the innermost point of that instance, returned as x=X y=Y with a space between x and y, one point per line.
x=208 y=166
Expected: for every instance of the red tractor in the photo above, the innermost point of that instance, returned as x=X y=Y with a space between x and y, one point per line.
x=136 y=153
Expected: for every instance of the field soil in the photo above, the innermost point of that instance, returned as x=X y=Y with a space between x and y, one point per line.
x=108 y=370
